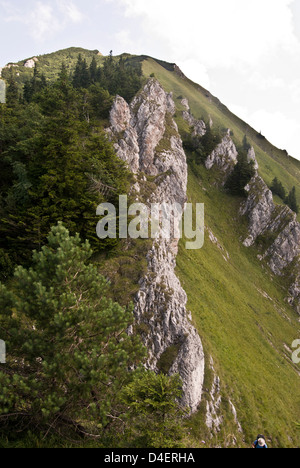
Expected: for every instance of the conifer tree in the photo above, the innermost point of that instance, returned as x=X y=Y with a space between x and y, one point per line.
x=241 y=175
x=278 y=189
x=68 y=352
x=81 y=78
x=12 y=93
x=291 y=200
x=155 y=413
x=246 y=144
x=36 y=84
x=93 y=70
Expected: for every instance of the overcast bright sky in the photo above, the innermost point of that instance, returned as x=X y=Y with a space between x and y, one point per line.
x=246 y=52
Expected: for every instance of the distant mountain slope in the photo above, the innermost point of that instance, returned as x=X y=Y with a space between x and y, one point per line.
x=272 y=161
x=50 y=64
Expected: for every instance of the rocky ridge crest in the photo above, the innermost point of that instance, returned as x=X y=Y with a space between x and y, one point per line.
x=146 y=137
x=278 y=225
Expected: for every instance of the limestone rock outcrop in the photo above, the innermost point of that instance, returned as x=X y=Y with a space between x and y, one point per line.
x=225 y=156
x=259 y=207
x=280 y=228
x=198 y=126
x=146 y=137
x=252 y=158
x=31 y=62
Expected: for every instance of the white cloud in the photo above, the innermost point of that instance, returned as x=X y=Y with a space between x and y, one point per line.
x=218 y=32
x=45 y=18
x=70 y=11
x=196 y=71
x=247 y=51
x=9 y=9
x=42 y=21
x=281 y=130
x=124 y=39
x=294 y=89
x=265 y=82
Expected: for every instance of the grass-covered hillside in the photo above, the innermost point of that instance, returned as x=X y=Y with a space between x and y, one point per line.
x=50 y=64
x=237 y=305
x=51 y=140
x=243 y=321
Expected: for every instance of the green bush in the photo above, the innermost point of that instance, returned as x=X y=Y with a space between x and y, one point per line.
x=155 y=415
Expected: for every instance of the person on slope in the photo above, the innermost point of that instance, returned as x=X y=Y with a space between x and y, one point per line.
x=260 y=442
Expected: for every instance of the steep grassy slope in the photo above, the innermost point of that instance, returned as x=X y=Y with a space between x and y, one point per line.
x=243 y=321
x=237 y=305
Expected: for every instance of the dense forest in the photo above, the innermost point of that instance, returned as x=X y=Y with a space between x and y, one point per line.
x=56 y=158
x=67 y=379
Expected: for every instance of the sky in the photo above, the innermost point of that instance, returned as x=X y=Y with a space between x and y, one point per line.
x=245 y=52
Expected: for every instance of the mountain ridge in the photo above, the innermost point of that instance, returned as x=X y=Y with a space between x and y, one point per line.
x=74 y=51
x=238 y=305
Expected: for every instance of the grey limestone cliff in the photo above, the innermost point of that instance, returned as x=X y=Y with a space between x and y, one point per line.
x=198 y=126
x=278 y=224
x=146 y=137
x=225 y=157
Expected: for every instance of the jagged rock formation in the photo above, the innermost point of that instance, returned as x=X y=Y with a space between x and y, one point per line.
x=279 y=225
x=252 y=158
x=198 y=126
x=225 y=157
x=259 y=207
x=2 y=90
x=147 y=138
x=294 y=292
x=214 y=418
x=31 y=62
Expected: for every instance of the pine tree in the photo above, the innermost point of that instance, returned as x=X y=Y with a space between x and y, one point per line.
x=12 y=92
x=81 y=78
x=93 y=71
x=77 y=73
x=68 y=352
x=241 y=175
x=35 y=85
x=156 y=416
x=63 y=77
x=53 y=157
x=291 y=200
x=278 y=189
x=85 y=76
x=246 y=144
